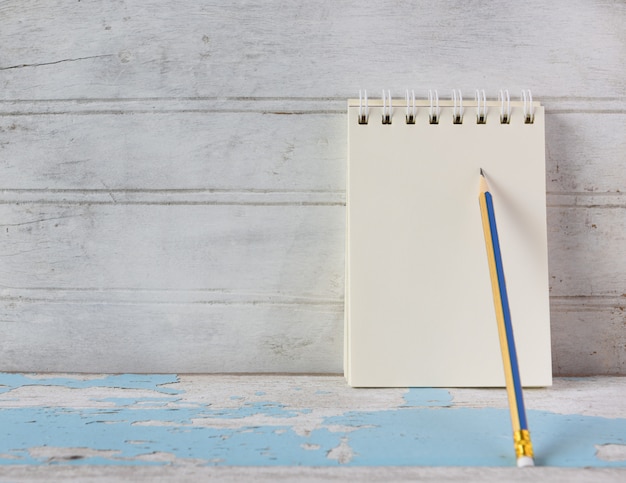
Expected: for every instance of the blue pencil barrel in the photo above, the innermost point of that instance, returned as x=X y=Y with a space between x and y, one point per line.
x=517 y=385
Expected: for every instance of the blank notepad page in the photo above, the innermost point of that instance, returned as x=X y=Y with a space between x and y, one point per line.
x=419 y=306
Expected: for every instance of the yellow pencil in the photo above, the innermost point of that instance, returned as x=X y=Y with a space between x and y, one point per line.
x=521 y=435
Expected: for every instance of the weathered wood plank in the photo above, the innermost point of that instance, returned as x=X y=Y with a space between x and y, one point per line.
x=584 y=233
x=258 y=247
x=585 y=152
x=254 y=150
x=170 y=336
x=260 y=250
x=219 y=150
x=143 y=331
x=147 y=48
x=587 y=250
x=588 y=335
x=198 y=155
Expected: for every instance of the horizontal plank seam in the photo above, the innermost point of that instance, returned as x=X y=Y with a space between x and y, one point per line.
x=214 y=291
x=169 y=190
x=585 y=193
x=121 y=112
x=246 y=190
x=255 y=197
x=158 y=296
x=242 y=203
x=140 y=296
x=585 y=111
x=581 y=303
x=207 y=196
x=173 y=203
x=580 y=307
x=250 y=105
x=566 y=298
x=246 y=203
x=278 y=98
x=581 y=205
x=165 y=302
x=295 y=112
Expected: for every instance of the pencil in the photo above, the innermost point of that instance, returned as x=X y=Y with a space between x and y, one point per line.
x=521 y=435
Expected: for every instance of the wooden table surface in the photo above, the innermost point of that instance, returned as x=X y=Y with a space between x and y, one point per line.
x=300 y=427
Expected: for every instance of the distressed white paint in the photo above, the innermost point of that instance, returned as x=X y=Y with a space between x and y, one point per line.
x=309 y=401
x=612 y=452
x=172 y=180
x=204 y=335
x=109 y=147
x=283 y=48
x=589 y=396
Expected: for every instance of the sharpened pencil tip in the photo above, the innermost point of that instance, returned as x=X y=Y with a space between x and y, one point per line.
x=482 y=182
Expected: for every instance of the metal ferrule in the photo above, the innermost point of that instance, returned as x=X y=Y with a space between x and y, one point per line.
x=523 y=446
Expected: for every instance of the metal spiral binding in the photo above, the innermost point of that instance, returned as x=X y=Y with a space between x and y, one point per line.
x=364 y=112
x=433 y=112
x=481 y=112
x=505 y=106
x=387 y=107
x=529 y=109
x=411 y=111
x=457 y=110
x=434 y=109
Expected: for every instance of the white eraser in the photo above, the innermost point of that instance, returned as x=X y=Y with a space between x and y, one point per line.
x=523 y=461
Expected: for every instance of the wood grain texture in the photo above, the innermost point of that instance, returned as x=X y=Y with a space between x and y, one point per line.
x=179 y=173
x=251 y=249
x=197 y=333
x=588 y=335
x=281 y=48
x=91 y=148
x=587 y=250
x=152 y=145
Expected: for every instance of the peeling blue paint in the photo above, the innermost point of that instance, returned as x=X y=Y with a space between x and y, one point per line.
x=410 y=436
x=475 y=437
x=426 y=430
x=153 y=382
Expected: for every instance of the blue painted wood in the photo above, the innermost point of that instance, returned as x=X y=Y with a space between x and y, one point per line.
x=164 y=423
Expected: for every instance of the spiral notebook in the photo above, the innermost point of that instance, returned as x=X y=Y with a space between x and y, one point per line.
x=419 y=307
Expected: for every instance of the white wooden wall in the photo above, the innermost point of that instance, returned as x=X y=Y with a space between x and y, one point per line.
x=172 y=173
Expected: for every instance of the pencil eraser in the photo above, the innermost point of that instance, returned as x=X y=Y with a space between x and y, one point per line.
x=523 y=461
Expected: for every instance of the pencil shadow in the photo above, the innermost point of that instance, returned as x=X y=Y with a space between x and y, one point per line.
x=560 y=444
x=525 y=222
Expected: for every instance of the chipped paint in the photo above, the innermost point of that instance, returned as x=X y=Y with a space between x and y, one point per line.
x=342 y=453
x=157 y=420
x=611 y=452
x=153 y=382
